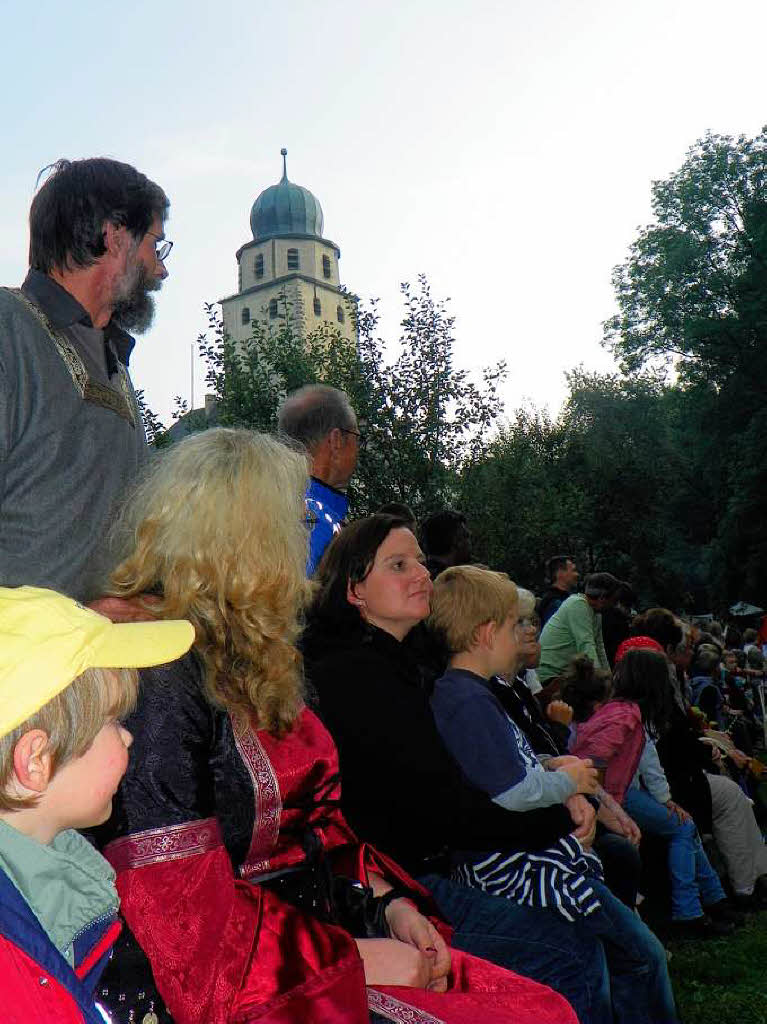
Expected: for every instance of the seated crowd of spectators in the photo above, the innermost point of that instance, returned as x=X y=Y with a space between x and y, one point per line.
x=264 y=761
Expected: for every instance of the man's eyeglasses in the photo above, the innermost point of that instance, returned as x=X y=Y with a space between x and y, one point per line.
x=162 y=247
x=360 y=437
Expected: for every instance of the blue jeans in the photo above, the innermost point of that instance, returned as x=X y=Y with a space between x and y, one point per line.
x=609 y=965
x=640 y=987
x=539 y=944
x=694 y=883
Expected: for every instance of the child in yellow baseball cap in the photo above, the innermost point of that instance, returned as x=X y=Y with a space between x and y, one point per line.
x=67 y=677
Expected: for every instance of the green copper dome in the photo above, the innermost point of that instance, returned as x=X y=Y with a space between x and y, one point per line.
x=285 y=209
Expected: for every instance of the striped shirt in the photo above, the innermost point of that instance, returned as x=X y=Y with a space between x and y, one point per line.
x=557 y=878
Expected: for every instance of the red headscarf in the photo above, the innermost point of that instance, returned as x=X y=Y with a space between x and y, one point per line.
x=637 y=642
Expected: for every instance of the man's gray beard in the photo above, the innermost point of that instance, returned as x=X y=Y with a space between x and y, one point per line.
x=133 y=303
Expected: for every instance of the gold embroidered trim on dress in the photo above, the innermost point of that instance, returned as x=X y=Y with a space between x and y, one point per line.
x=90 y=390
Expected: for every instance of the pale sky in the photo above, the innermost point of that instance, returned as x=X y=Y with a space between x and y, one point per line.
x=504 y=149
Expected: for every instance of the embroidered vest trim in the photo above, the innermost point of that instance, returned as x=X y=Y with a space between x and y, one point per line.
x=121 y=402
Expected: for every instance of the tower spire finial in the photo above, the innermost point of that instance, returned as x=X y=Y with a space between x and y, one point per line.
x=284 y=154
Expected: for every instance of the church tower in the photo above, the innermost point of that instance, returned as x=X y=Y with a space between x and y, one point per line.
x=288 y=260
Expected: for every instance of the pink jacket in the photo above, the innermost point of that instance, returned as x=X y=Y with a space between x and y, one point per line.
x=614 y=733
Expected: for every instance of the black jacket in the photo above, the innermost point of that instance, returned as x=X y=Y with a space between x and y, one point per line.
x=401 y=790
x=685 y=761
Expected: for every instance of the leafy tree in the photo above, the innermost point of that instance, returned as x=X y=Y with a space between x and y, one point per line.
x=423 y=418
x=596 y=483
x=694 y=288
x=693 y=294
x=153 y=425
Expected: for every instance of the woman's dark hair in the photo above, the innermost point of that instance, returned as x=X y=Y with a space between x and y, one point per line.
x=67 y=216
x=347 y=559
x=642 y=676
x=583 y=686
x=660 y=624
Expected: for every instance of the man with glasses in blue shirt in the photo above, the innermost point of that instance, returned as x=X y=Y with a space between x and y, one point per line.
x=71 y=436
x=321 y=419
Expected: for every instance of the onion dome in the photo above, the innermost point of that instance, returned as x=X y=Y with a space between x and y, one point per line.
x=285 y=209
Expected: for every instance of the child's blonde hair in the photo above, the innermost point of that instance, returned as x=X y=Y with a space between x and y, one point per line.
x=71 y=720
x=465 y=597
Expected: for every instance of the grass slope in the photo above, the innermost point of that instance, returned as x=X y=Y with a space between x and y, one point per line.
x=723 y=982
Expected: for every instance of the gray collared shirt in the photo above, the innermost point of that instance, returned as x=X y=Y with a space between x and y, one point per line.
x=65 y=458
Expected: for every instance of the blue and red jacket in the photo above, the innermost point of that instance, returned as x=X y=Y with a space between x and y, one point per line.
x=36 y=981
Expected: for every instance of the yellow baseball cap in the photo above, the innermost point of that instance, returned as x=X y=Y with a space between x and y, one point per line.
x=47 y=641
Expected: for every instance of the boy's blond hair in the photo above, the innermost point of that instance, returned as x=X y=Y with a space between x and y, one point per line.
x=72 y=720
x=466 y=597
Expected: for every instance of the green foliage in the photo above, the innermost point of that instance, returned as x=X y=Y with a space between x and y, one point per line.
x=693 y=295
x=694 y=288
x=153 y=426
x=595 y=483
x=423 y=418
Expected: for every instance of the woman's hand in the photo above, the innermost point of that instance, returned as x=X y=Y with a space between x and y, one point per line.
x=680 y=812
x=390 y=962
x=410 y=926
x=584 y=818
x=612 y=816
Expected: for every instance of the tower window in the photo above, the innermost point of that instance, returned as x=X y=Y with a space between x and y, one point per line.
x=340 y=314
x=292 y=259
x=326 y=266
x=246 y=314
x=273 y=309
x=317 y=306
x=258 y=266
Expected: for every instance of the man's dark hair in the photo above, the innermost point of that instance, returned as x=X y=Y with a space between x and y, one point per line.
x=642 y=676
x=67 y=216
x=557 y=562
x=660 y=624
x=438 y=531
x=602 y=584
x=398 y=508
x=309 y=414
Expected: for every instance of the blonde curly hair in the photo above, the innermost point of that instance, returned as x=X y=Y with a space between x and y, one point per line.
x=217 y=531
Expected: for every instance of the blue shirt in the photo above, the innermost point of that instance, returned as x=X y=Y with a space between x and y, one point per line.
x=495 y=755
x=326 y=510
x=490 y=748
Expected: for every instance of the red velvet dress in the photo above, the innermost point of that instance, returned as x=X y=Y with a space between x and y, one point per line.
x=207 y=809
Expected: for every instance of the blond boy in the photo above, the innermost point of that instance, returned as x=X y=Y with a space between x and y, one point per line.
x=476 y=612
x=67 y=677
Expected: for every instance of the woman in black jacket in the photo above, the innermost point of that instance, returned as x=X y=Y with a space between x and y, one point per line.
x=401 y=788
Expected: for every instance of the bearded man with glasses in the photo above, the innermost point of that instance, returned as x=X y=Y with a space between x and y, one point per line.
x=71 y=435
